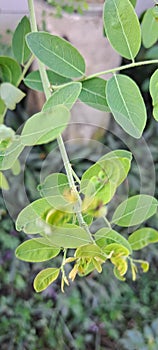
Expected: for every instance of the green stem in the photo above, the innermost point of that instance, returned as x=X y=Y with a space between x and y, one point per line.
x=46 y=87
x=107 y=222
x=126 y=66
x=26 y=67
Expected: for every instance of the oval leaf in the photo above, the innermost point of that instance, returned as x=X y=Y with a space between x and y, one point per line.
x=45 y=278
x=13 y=66
x=11 y=95
x=126 y=104
x=135 y=210
x=122 y=27
x=8 y=156
x=142 y=237
x=33 y=80
x=106 y=236
x=68 y=236
x=36 y=250
x=19 y=46
x=154 y=93
x=56 y=53
x=66 y=95
x=149 y=29
x=57 y=186
x=45 y=126
x=93 y=94
x=29 y=217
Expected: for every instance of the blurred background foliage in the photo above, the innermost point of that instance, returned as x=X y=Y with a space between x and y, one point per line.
x=97 y=312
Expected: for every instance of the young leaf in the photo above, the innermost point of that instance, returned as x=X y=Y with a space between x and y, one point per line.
x=93 y=94
x=122 y=27
x=8 y=156
x=11 y=95
x=56 y=53
x=33 y=80
x=3 y=182
x=142 y=237
x=66 y=95
x=149 y=29
x=134 y=210
x=45 y=278
x=126 y=104
x=121 y=265
x=13 y=66
x=116 y=250
x=19 y=46
x=29 y=218
x=45 y=126
x=106 y=236
x=154 y=93
x=36 y=250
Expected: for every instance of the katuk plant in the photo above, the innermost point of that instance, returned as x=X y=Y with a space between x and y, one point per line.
x=60 y=221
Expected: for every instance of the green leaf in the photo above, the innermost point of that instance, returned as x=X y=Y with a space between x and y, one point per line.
x=126 y=104
x=56 y=53
x=6 y=136
x=133 y=2
x=2 y=110
x=102 y=178
x=3 y=182
x=66 y=95
x=135 y=210
x=90 y=251
x=99 y=181
x=36 y=250
x=67 y=236
x=106 y=236
x=5 y=74
x=149 y=29
x=8 y=156
x=30 y=218
x=19 y=46
x=11 y=95
x=93 y=94
x=142 y=237
x=122 y=27
x=13 y=66
x=45 y=278
x=154 y=93
x=121 y=265
x=57 y=186
x=123 y=160
x=45 y=126
x=33 y=80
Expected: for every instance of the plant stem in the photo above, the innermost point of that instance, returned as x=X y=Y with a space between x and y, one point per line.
x=46 y=87
x=107 y=222
x=126 y=66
